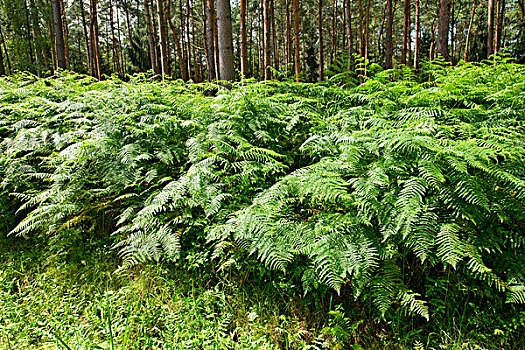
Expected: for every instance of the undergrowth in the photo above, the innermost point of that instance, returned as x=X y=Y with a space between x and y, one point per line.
x=403 y=197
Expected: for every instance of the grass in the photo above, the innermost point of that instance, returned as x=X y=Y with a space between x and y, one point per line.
x=74 y=300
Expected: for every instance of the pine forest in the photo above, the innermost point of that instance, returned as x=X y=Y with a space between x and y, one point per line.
x=262 y=174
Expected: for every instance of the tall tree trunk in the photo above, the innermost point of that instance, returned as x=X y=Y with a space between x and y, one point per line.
x=289 y=43
x=86 y=37
x=178 y=49
x=367 y=30
x=296 y=39
x=388 y=34
x=443 y=29
x=244 y=48
x=465 y=56
x=2 y=67
x=321 y=48
x=116 y=59
x=224 y=28
x=362 y=29
x=416 y=41
x=154 y=24
x=163 y=39
x=333 y=39
x=274 y=36
x=39 y=48
x=349 y=34
x=187 y=37
x=51 y=32
x=59 y=37
x=499 y=30
x=267 y=50
x=119 y=46
x=28 y=27
x=211 y=23
x=93 y=35
x=216 y=41
x=194 y=49
x=490 y=31
x=128 y=22
x=5 y=49
x=151 y=42
x=452 y=31
x=406 y=31
x=65 y=28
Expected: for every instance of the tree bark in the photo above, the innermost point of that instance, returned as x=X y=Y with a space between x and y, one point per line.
x=267 y=51
x=296 y=39
x=93 y=35
x=321 y=48
x=2 y=67
x=367 y=30
x=244 y=48
x=182 y=65
x=406 y=31
x=388 y=34
x=362 y=29
x=443 y=29
x=490 y=31
x=499 y=30
x=224 y=28
x=465 y=56
x=210 y=41
x=416 y=39
x=151 y=42
x=349 y=34
x=65 y=28
x=163 y=39
x=116 y=59
x=59 y=34
x=274 y=36
x=86 y=37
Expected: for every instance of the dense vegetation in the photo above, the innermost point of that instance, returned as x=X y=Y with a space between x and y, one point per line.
x=279 y=214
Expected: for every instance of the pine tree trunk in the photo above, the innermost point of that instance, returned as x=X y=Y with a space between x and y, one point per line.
x=465 y=56
x=443 y=29
x=2 y=67
x=406 y=31
x=151 y=42
x=244 y=50
x=296 y=39
x=289 y=43
x=93 y=35
x=349 y=34
x=499 y=30
x=224 y=28
x=28 y=31
x=416 y=42
x=116 y=59
x=490 y=31
x=361 y=29
x=321 y=49
x=5 y=49
x=209 y=14
x=182 y=65
x=274 y=36
x=267 y=40
x=163 y=39
x=187 y=38
x=65 y=28
x=59 y=38
x=367 y=30
x=86 y=37
x=388 y=36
